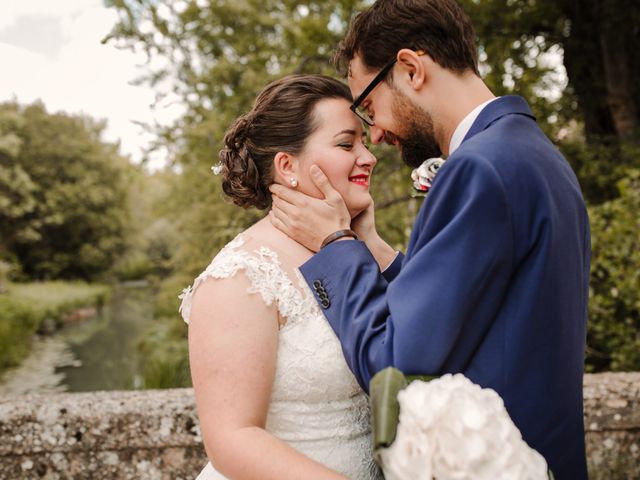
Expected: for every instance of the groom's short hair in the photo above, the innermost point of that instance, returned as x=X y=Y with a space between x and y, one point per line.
x=439 y=27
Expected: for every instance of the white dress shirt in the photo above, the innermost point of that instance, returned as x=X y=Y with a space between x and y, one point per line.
x=463 y=127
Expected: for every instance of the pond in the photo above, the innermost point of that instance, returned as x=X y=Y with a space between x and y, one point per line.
x=99 y=353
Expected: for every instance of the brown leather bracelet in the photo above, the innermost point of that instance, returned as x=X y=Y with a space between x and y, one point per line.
x=339 y=234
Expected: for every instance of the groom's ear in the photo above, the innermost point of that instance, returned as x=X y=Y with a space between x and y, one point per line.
x=285 y=167
x=413 y=67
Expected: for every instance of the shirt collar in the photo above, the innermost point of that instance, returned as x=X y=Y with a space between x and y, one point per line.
x=463 y=127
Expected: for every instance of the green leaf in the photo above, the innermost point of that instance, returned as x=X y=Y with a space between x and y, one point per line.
x=383 y=391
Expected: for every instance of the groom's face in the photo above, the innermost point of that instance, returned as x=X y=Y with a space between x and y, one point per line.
x=397 y=120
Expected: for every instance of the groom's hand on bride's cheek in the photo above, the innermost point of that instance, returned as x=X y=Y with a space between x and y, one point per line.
x=306 y=219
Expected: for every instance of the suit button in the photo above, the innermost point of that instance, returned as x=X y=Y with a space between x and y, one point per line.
x=317 y=284
x=325 y=303
x=323 y=296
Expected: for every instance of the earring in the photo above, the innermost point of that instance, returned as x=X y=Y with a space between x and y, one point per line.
x=293 y=182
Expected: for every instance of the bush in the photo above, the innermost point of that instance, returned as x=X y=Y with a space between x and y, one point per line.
x=134 y=267
x=19 y=320
x=166 y=356
x=599 y=167
x=5 y=268
x=613 y=340
x=24 y=308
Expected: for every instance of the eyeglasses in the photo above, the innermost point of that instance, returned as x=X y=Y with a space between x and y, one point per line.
x=356 y=107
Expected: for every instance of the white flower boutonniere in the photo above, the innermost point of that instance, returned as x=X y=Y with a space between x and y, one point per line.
x=423 y=176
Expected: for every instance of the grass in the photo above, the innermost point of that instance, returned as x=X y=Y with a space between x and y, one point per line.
x=25 y=306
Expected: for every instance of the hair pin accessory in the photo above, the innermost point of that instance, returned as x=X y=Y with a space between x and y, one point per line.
x=217 y=169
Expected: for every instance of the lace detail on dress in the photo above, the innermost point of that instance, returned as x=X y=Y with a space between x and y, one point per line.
x=266 y=275
x=316 y=403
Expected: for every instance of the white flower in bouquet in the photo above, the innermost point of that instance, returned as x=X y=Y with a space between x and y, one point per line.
x=451 y=428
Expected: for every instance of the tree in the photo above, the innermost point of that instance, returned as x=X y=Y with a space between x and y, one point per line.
x=62 y=193
x=17 y=190
x=598 y=41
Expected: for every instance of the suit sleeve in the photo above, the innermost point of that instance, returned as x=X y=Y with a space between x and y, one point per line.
x=432 y=315
x=394 y=267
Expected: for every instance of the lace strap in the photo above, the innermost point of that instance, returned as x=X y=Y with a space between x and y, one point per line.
x=265 y=275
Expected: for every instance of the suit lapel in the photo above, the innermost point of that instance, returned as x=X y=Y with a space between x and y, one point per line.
x=508 y=105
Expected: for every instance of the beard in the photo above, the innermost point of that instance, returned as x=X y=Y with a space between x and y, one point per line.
x=416 y=136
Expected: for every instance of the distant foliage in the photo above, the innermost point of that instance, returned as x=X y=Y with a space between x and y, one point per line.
x=613 y=341
x=62 y=194
x=166 y=356
x=24 y=308
x=601 y=166
x=154 y=234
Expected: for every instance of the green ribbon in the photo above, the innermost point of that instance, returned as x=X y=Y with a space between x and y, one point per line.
x=385 y=409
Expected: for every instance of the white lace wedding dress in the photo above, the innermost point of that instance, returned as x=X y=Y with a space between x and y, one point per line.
x=316 y=406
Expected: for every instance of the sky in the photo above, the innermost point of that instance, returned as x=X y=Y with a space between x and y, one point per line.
x=50 y=50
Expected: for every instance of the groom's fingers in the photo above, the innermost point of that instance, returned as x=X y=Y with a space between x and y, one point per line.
x=293 y=228
x=287 y=194
x=322 y=182
x=284 y=211
x=277 y=222
x=281 y=204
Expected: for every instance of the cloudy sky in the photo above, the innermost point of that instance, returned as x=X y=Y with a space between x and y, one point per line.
x=51 y=50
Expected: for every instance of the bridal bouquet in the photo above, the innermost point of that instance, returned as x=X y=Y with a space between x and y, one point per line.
x=446 y=428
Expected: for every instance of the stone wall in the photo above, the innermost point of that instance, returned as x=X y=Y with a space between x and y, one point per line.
x=612 y=423
x=155 y=434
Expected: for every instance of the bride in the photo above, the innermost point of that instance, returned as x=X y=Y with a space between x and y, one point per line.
x=275 y=397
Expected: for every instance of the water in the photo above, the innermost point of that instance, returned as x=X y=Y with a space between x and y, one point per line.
x=100 y=353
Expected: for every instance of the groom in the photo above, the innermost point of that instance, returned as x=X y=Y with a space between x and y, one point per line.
x=494 y=283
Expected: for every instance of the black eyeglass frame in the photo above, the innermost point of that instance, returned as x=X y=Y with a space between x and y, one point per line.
x=382 y=74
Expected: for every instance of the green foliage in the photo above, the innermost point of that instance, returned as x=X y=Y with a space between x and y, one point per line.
x=166 y=358
x=18 y=322
x=24 y=308
x=62 y=193
x=600 y=167
x=166 y=362
x=153 y=236
x=614 y=305
x=5 y=268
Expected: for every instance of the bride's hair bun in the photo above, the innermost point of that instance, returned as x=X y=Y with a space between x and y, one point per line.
x=241 y=178
x=281 y=120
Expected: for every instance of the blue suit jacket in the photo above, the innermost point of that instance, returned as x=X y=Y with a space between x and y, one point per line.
x=494 y=283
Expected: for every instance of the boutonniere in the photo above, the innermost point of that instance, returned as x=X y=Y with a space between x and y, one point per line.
x=423 y=176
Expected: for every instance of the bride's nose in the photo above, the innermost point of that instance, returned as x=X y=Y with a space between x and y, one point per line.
x=366 y=159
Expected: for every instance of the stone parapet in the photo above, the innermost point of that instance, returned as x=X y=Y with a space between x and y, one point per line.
x=612 y=423
x=154 y=434
x=151 y=434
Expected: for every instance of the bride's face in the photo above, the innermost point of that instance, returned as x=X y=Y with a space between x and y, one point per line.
x=338 y=147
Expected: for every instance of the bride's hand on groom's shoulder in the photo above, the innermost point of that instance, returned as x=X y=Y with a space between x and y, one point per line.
x=306 y=219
